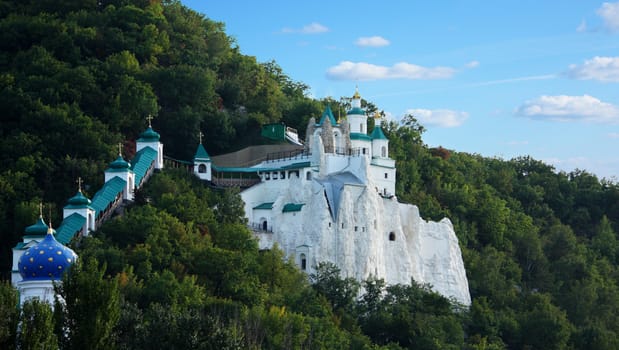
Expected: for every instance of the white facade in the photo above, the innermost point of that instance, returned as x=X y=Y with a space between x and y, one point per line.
x=337 y=203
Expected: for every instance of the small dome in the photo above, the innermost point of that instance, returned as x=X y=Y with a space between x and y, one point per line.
x=46 y=260
x=79 y=200
x=119 y=164
x=149 y=135
x=38 y=229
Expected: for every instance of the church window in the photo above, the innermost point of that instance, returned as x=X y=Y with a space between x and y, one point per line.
x=342 y=225
x=282 y=175
x=361 y=127
x=201 y=168
x=383 y=152
x=392 y=236
x=356 y=228
x=264 y=225
x=308 y=175
x=375 y=225
x=303 y=262
x=386 y=176
x=274 y=175
x=329 y=224
x=363 y=150
x=267 y=176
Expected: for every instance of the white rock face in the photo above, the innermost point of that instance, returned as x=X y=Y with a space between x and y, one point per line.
x=368 y=234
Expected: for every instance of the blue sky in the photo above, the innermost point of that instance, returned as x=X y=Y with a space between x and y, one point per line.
x=497 y=78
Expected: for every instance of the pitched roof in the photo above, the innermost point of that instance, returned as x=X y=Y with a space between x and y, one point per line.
x=267 y=205
x=201 y=154
x=290 y=207
x=107 y=194
x=70 y=226
x=142 y=162
x=327 y=114
x=377 y=134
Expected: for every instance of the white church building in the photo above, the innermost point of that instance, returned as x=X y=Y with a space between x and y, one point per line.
x=334 y=201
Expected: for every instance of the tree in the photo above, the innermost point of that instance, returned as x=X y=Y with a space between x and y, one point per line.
x=37 y=327
x=87 y=306
x=9 y=310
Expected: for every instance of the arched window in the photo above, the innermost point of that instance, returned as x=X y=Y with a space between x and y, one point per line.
x=303 y=262
x=264 y=225
x=383 y=152
x=308 y=175
x=392 y=236
x=201 y=168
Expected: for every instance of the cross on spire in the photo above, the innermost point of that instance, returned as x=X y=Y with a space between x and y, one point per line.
x=41 y=210
x=149 y=118
x=200 y=134
x=120 y=149
x=79 y=184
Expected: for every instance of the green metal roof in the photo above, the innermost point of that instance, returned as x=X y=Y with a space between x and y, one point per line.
x=254 y=170
x=142 y=162
x=149 y=135
x=268 y=205
x=356 y=110
x=107 y=193
x=69 y=227
x=290 y=207
x=79 y=201
x=360 y=136
x=327 y=114
x=119 y=165
x=377 y=134
x=201 y=154
x=38 y=229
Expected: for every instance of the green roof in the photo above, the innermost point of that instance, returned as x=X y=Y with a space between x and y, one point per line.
x=201 y=154
x=119 y=165
x=377 y=134
x=360 y=136
x=254 y=170
x=38 y=229
x=69 y=227
x=290 y=207
x=79 y=201
x=142 y=162
x=327 y=114
x=107 y=194
x=268 y=205
x=356 y=110
x=149 y=135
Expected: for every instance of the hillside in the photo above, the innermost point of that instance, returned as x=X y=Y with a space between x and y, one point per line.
x=76 y=78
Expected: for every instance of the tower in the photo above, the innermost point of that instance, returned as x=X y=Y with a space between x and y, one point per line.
x=81 y=205
x=122 y=169
x=150 y=138
x=202 y=162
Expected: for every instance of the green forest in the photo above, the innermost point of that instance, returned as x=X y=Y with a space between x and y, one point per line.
x=181 y=270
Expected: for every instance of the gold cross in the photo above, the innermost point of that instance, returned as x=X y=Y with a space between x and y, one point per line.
x=79 y=184
x=120 y=149
x=41 y=210
x=200 y=134
x=149 y=118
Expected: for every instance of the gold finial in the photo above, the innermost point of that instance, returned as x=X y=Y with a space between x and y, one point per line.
x=120 y=149
x=200 y=134
x=377 y=115
x=149 y=118
x=79 y=184
x=356 y=95
x=49 y=227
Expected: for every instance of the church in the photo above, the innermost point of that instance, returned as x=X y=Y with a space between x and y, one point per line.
x=329 y=199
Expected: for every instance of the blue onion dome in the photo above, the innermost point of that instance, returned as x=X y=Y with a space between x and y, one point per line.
x=78 y=201
x=149 y=135
x=38 y=229
x=119 y=164
x=47 y=260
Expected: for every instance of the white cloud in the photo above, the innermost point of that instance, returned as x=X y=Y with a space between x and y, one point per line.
x=570 y=108
x=613 y=135
x=598 y=68
x=372 y=41
x=472 y=64
x=444 y=118
x=312 y=28
x=610 y=15
x=347 y=70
